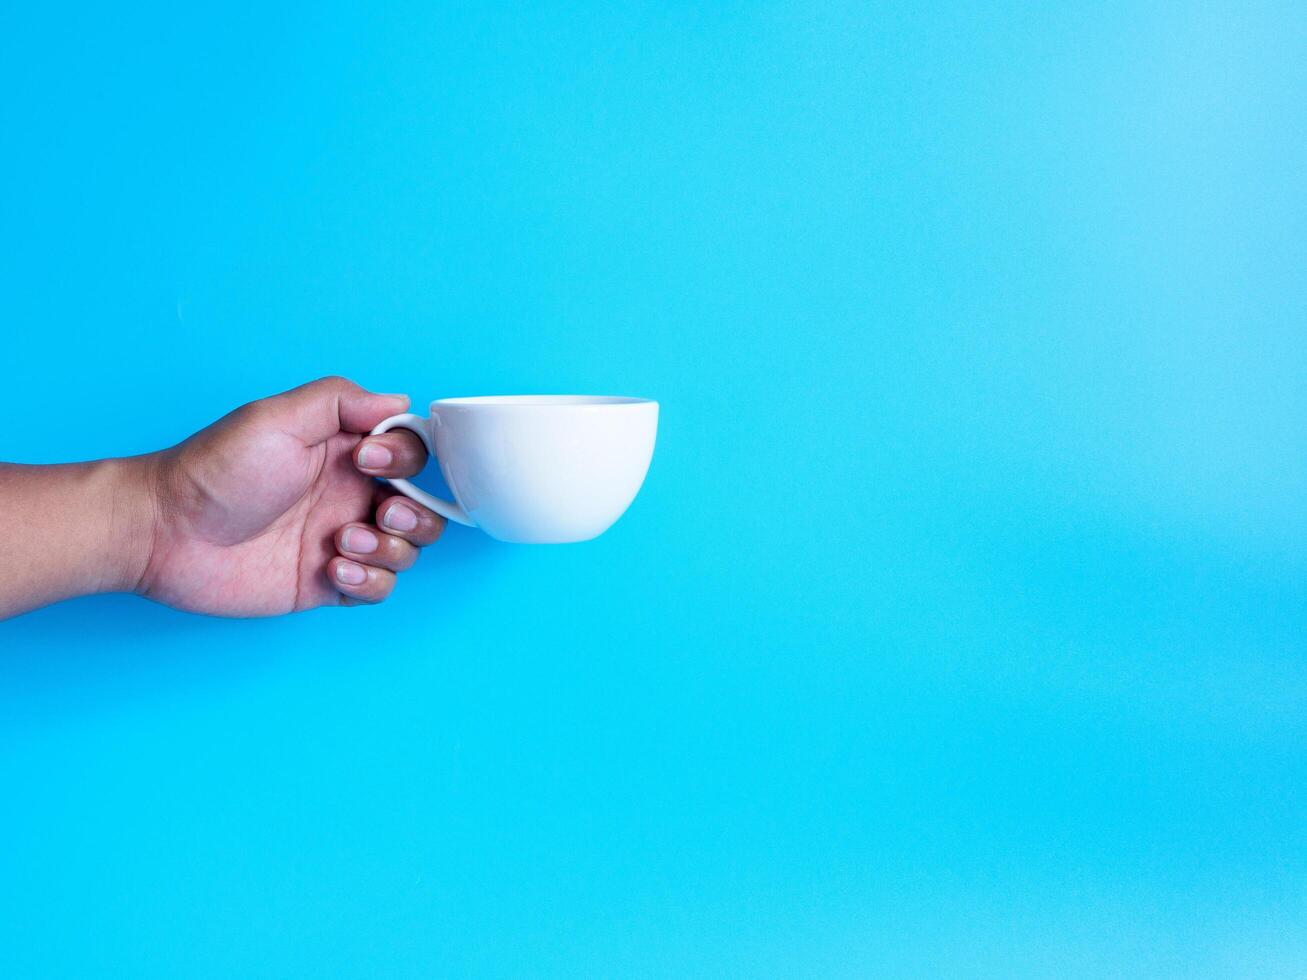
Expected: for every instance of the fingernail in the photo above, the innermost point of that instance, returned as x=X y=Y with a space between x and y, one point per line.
x=350 y=574
x=374 y=456
x=359 y=540
x=400 y=518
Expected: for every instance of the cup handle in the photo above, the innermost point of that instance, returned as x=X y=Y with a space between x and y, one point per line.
x=418 y=426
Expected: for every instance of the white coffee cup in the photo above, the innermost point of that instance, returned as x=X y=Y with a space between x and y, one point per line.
x=538 y=469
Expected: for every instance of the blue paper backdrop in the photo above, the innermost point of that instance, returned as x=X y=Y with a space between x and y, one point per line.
x=961 y=626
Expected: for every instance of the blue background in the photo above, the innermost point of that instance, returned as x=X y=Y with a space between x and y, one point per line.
x=961 y=626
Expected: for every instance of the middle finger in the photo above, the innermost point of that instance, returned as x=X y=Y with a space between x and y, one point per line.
x=409 y=520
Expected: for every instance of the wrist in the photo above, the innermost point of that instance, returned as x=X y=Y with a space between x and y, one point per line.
x=130 y=499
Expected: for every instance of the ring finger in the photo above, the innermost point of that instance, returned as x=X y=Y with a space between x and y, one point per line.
x=357 y=582
x=369 y=545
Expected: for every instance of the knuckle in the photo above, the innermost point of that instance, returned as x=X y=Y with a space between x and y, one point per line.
x=436 y=524
x=402 y=555
x=257 y=412
x=409 y=446
x=396 y=442
x=331 y=385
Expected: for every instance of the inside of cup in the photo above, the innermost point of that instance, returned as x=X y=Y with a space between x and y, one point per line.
x=541 y=400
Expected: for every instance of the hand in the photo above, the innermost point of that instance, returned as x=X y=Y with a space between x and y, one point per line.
x=271 y=509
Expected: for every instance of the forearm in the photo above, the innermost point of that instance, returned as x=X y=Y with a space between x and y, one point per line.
x=73 y=529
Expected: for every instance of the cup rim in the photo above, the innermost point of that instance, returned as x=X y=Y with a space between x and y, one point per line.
x=542 y=401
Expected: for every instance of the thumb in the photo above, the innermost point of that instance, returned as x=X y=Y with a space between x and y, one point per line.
x=320 y=409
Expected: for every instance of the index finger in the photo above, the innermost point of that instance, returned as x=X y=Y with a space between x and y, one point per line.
x=397 y=453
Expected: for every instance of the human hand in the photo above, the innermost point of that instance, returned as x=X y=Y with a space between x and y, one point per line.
x=273 y=509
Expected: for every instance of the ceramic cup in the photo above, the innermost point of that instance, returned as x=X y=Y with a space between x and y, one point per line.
x=538 y=469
